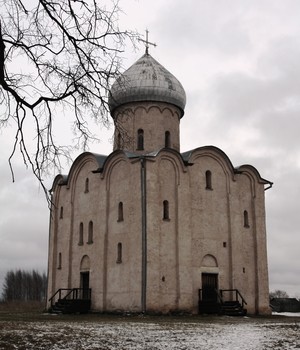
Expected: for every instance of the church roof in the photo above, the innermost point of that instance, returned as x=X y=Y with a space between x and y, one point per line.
x=147 y=80
x=186 y=156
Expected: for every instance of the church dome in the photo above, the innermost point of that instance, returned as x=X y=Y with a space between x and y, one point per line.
x=147 y=80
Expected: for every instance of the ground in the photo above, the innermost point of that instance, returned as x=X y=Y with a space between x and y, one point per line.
x=33 y=330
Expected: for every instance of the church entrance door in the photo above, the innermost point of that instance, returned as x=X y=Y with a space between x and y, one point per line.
x=210 y=287
x=85 y=284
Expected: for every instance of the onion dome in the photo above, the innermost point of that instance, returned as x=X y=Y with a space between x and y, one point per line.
x=147 y=80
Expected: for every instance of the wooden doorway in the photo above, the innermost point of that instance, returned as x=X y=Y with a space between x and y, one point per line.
x=85 y=284
x=210 y=287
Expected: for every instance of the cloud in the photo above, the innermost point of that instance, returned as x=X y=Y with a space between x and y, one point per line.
x=23 y=222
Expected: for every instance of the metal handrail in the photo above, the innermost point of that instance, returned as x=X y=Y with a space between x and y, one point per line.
x=237 y=295
x=75 y=292
x=220 y=297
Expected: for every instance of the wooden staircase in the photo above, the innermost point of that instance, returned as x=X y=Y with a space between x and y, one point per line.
x=233 y=308
x=68 y=301
x=228 y=302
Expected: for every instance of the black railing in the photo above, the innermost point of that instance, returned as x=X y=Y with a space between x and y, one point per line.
x=234 y=294
x=71 y=293
x=219 y=296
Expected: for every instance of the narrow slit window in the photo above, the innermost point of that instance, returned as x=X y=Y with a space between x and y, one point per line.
x=246 y=219
x=86 y=188
x=140 y=139
x=119 y=253
x=119 y=141
x=80 y=238
x=208 y=179
x=90 y=233
x=61 y=212
x=59 y=261
x=166 y=214
x=120 y=212
x=167 y=139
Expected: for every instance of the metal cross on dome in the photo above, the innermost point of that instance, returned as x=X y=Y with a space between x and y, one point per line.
x=147 y=42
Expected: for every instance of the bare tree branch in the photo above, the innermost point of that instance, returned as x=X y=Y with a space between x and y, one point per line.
x=56 y=54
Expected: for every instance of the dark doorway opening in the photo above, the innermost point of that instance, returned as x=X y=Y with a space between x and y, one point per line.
x=210 y=287
x=85 y=284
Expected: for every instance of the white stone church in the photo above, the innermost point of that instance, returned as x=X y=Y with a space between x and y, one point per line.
x=149 y=229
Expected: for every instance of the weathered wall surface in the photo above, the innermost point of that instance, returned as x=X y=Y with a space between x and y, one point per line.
x=202 y=217
x=154 y=119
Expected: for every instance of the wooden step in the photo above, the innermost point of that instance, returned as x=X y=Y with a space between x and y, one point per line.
x=233 y=308
x=69 y=306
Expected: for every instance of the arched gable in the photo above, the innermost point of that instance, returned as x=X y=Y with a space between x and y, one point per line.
x=79 y=164
x=218 y=156
x=253 y=176
x=214 y=152
x=174 y=158
x=111 y=162
x=254 y=173
x=66 y=180
x=59 y=181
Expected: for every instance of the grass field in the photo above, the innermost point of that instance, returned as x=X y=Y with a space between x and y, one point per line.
x=33 y=329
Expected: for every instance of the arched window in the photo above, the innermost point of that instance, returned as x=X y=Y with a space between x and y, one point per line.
x=90 y=233
x=166 y=215
x=59 y=261
x=119 y=253
x=208 y=179
x=119 y=141
x=61 y=213
x=120 y=212
x=246 y=219
x=86 y=189
x=167 y=139
x=140 y=139
x=80 y=238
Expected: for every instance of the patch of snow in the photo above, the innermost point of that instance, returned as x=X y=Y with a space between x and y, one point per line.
x=226 y=333
x=288 y=314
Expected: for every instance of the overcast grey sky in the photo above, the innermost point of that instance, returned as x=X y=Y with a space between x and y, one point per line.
x=239 y=62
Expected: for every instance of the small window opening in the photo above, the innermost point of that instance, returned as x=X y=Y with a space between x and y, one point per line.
x=80 y=238
x=166 y=214
x=224 y=244
x=119 y=141
x=244 y=270
x=90 y=233
x=61 y=213
x=119 y=253
x=59 y=261
x=120 y=212
x=167 y=139
x=208 y=178
x=140 y=139
x=246 y=219
x=86 y=189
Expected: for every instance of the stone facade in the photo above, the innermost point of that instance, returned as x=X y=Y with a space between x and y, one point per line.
x=148 y=223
